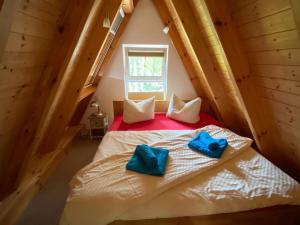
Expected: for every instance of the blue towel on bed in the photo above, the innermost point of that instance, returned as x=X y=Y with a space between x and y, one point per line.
x=147 y=155
x=142 y=160
x=207 y=145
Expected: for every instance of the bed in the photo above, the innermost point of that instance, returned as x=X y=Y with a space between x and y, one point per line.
x=241 y=188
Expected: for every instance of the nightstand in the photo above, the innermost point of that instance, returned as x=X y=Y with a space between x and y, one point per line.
x=98 y=124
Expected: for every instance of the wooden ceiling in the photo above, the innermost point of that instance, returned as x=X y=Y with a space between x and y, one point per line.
x=241 y=55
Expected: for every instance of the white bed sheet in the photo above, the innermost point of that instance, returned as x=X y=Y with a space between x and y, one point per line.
x=247 y=181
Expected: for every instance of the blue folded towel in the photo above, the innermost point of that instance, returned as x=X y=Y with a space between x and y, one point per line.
x=140 y=162
x=147 y=155
x=207 y=145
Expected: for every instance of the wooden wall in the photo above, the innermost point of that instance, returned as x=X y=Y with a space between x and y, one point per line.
x=213 y=46
x=268 y=33
x=34 y=26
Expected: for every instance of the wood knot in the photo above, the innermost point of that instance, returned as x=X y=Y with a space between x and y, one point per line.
x=264 y=133
x=61 y=28
x=54 y=80
x=218 y=23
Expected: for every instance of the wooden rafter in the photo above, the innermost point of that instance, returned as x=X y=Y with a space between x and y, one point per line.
x=70 y=75
x=69 y=29
x=35 y=177
x=100 y=70
x=239 y=67
x=128 y=6
x=186 y=24
x=179 y=46
x=75 y=74
x=262 y=127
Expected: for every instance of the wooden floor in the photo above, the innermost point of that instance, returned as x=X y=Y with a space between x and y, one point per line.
x=47 y=206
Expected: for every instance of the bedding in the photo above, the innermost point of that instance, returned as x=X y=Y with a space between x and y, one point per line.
x=161 y=122
x=154 y=165
x=187 y=112
x=138 y=111
x=193 y=184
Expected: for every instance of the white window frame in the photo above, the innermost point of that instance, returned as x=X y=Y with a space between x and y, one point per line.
x=144 y=48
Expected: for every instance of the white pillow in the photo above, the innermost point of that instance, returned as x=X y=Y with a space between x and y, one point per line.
x=184 y=112
x=138 y=111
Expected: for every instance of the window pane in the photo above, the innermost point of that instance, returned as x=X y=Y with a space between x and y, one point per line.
x=145 y=86
x=145 y=66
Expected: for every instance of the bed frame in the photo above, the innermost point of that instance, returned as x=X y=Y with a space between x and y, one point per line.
x=162 y=106
x=277 y=215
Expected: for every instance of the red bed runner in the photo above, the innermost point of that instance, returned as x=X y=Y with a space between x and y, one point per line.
x=161 y=122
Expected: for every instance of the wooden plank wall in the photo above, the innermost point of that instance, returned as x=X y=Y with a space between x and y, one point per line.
x=220 y=63
x=268 y=34
x=33 y=28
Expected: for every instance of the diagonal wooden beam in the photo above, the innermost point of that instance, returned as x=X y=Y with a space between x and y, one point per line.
x=69 y=28
x=64 y=80
x=128 y=6
x=225 y=29
x=40 y=169
x=75 y=75
x=179 y=46
x=262 y=126
x=185 y=21
x=98 y=69
x=187 y=57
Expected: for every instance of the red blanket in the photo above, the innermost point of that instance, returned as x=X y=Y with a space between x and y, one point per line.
x=161 y=122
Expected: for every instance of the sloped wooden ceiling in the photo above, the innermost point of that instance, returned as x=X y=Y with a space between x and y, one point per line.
x=34 y=28
x=242 y=55
x=228 y=72
x=269 y=34
x=47 y=131
x=204 y=62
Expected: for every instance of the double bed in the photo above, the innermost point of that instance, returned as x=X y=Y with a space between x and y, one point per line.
x=240 y=188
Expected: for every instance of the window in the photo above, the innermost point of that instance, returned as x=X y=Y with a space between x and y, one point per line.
x=145 y=70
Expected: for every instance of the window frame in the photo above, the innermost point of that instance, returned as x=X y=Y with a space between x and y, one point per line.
x=145 y=48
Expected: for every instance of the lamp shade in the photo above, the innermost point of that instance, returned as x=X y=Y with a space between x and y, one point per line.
x=106 y=22
x=166 y=29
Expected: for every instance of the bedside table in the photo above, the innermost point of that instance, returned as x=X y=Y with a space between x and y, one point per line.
x=98 y=125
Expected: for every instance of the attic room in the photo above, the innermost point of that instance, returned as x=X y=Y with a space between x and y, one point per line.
x=137 y=112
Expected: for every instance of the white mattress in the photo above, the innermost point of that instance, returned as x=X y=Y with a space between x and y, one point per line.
x=244 y=180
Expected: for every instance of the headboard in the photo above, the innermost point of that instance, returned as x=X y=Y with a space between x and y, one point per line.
x=162 y=106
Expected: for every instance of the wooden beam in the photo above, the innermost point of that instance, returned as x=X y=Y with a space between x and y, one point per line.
x=185 y=21
x=36 y=176
x=97 y=71
x=74 y=75
x=128 y=6
x=261 y=124
x=69 y=30
x=85 y=92
x=180 y=48
x=187 y=57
